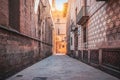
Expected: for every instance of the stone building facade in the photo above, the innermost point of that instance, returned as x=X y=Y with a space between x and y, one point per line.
x=60 y=31
x=59 y=19
x=25 y=34
x=93 y=33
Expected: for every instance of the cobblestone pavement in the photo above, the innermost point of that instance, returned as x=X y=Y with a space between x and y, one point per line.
x=61 y=67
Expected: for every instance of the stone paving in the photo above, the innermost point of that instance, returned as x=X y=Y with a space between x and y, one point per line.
x=61 y=67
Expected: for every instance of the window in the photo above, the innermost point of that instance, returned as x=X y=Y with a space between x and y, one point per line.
x=71 y=40
x=76 y=13
x=63 y=46
x=14 y=14
x=58 y=31
x=84 y=35
x=79 y=31
x=39 y=21
x=58 y=20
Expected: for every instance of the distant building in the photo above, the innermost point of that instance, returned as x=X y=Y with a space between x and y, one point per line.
x=59 y=19
x=65 y=7
x=54 y=4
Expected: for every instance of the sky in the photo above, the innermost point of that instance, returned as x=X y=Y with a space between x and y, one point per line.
x=59 y=3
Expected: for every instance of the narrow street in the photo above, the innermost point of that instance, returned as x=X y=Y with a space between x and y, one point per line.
x=59 y=39
x=61 y=67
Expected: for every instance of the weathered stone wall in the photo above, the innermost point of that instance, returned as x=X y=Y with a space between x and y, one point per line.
x=102 y=46
x=23 y=41
x=16 y=51
x=103 y=25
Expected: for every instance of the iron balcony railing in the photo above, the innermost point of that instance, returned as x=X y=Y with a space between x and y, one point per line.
x=82 y=15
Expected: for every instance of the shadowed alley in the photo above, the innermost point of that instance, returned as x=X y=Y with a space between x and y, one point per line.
x=61 y=67
x=59 y=39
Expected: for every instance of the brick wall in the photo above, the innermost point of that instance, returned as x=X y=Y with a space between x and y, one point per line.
x=24 y=44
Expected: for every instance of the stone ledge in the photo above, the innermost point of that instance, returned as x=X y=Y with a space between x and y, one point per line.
x=16 y=32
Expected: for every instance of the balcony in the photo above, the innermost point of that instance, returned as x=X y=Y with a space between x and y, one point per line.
x=73 y=27
x=82 y=16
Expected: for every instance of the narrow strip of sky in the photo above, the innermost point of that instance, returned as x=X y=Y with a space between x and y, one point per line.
x=59 y=4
